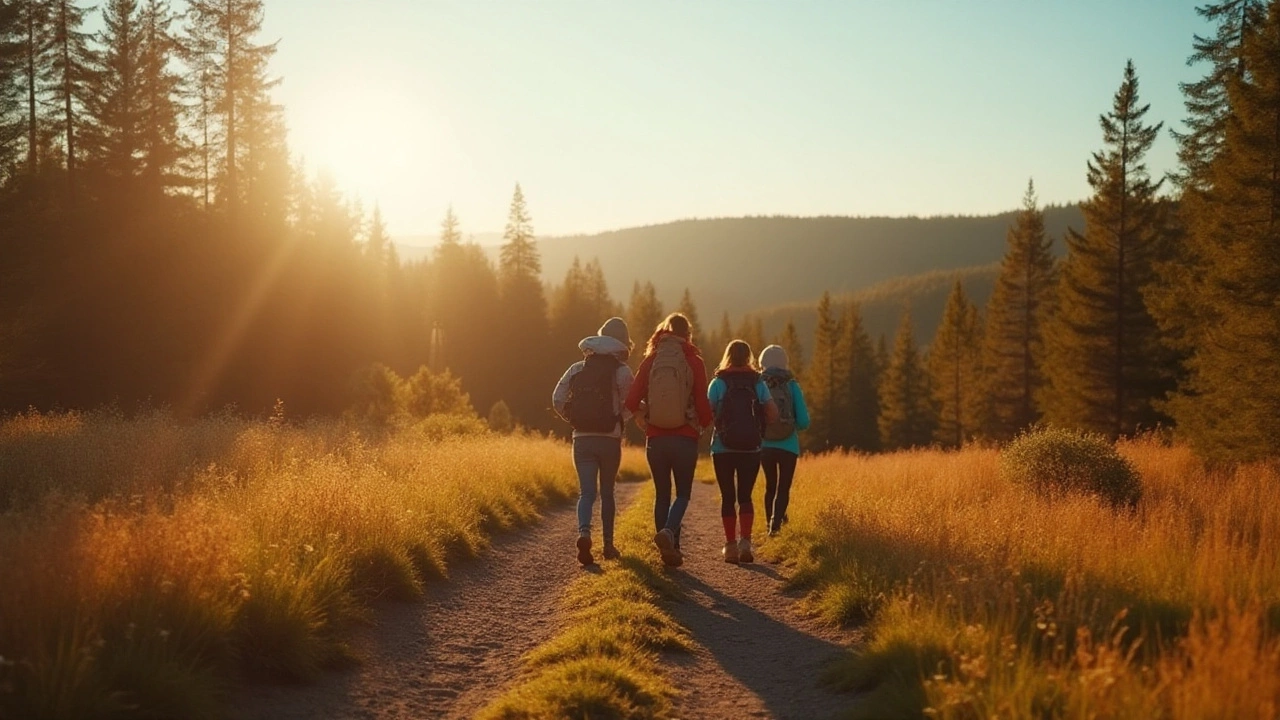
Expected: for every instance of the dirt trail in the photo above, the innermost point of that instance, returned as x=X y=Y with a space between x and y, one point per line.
x=758 y=657
x=449 y=655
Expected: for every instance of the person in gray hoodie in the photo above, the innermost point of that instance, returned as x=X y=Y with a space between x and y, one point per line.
x=590 y=397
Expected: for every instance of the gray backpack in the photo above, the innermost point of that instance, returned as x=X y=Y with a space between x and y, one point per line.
x=780 y=390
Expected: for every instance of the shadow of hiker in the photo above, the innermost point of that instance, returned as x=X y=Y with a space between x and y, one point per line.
x=779 y=663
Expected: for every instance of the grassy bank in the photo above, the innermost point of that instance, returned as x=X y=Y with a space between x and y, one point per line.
x=149 y=562
x=605 y=665
x=987 y=600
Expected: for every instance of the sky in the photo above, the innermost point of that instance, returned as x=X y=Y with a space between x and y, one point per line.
x=613 y=114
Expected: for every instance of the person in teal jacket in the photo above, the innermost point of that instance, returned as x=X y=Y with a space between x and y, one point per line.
x=736 y=443
x=778 y=457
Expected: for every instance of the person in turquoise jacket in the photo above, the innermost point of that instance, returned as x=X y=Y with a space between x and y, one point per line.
x=778 y=456
x=736 y=443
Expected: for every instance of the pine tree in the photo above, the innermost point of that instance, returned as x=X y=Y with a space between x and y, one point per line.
x=689 y=310
x=11 y=126
x=955 y=364
x=907 y=415
x=790 y=341
x=162 y=145
x=35 y=39
x=1230 y=406
x=524 y=324
x=377 y=247
x=1206 y=99
x=1013 y=346
x=450 y=235
x=233 y=95
x=464 y=311
x=64 y=77
x=860 y=426
x=722 y=337
x=825 y=379
x=1105 y=365
x=644 y=312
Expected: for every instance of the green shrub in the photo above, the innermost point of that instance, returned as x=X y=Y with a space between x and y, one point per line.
x=1055 y=461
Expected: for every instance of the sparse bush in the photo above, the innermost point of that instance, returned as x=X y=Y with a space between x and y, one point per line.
x=431 y=393
x=378 y=397
x=500 y=418
x=1056 y=461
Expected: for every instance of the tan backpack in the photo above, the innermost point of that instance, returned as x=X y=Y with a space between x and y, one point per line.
x=670 y=385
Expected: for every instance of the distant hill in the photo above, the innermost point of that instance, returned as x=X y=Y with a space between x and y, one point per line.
x=882 y=304
x=747 y=264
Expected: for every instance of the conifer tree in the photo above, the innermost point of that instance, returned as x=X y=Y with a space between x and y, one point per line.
x=240 y=121
x=825 y=379
x=1206 y=99
x=463 y=312
x=690 y=311
x=524 y=316
x=1013 y=343
x=860 y=425
x=722 y=336
x=1105 y=365
x=1230 y=405
x=907 y=414
x=955 y=364
x=35 y=45
x=790 y=341
x=64 y=77
x=11 y=126
x=131 y=128
x=644 y=312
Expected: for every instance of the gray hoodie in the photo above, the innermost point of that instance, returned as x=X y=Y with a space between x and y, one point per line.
x=598 y=345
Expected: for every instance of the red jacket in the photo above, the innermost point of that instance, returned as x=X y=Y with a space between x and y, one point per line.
x=640 y=392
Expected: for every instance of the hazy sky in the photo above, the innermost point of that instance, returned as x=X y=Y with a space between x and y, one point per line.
x=612 y=113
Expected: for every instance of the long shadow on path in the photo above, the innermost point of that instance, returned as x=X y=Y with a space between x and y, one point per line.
x=759 y=657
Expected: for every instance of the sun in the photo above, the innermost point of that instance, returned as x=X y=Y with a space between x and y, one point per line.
x=369 y=134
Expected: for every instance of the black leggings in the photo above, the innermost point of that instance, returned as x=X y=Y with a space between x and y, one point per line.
x=745 y=466
x=779 y=470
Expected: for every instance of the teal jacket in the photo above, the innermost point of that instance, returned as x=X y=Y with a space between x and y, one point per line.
x=715 y=393
x=791 y=444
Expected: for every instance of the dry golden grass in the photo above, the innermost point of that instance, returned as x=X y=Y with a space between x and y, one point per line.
x=988 y=600
x=147 y=562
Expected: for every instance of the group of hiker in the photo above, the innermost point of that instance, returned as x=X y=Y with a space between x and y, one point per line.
x=754 y=408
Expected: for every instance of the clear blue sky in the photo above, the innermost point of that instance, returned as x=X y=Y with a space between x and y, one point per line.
x=612 y=114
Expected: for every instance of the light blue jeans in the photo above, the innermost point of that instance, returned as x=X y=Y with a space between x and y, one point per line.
x=597 y=460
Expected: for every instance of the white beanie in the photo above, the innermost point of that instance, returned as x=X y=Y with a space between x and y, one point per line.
x=773 y=357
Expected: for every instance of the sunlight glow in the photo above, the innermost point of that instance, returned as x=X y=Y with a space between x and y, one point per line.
x=367 y=133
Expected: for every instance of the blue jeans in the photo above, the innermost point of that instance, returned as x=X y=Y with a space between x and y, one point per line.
x=671 y=456
x=597 y=460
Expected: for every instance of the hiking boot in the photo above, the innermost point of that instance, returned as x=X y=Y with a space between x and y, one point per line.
x=611 y=552
x=730 y=552
x=744 y=551
x=584 y=550
x=666 y=542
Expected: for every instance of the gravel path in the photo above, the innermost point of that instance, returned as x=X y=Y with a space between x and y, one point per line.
x=449 y=655
x=758 y=656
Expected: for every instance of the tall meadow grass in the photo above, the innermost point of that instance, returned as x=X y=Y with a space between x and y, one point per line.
x=987 y=599
x=148 y=562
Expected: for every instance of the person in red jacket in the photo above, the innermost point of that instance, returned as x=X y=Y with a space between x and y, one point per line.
x=671 y=446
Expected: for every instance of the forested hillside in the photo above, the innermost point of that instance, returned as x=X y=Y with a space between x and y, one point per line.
x=747 y=264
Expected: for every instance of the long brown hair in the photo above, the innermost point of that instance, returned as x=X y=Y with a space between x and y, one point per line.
x=675 y=324
x=737 y=354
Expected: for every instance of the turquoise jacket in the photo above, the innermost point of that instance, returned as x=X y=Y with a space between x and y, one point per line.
x=715 y=393
x=792 y=444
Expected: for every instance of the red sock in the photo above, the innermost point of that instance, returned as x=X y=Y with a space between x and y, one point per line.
x=728 y=528
x=745 y=519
